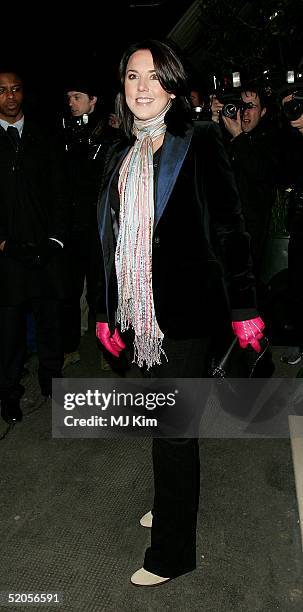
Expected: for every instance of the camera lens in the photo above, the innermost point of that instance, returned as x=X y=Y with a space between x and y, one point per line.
x=230 y=110
x=293 y=109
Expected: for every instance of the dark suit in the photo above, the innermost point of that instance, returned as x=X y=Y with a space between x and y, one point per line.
x=198 y=234
x=33 y=208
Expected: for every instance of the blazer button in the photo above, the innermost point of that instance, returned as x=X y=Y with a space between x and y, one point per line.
x=157 y=240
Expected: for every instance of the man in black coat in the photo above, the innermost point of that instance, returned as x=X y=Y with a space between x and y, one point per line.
x=254 y=153
x=33 y=223
x=88 y=136
x=291 y=99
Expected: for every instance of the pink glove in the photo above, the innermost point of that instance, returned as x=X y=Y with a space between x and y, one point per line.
x=249 y=332
x=112 y=343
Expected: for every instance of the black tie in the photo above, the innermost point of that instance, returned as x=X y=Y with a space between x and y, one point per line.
x=14 y=136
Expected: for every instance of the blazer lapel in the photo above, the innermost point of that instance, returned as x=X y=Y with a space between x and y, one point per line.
x=172 y=157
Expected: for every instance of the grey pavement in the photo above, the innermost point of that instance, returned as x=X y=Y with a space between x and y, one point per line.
x=70 y=514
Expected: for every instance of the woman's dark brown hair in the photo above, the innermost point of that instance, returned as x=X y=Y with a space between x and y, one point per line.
x=172 y=77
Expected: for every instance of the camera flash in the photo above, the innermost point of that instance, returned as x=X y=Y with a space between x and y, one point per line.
x=290 y=76
x=236 y=79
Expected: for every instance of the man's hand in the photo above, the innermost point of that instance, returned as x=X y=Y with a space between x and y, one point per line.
x=298 y=123
x=113 y=121
x=216 y=108
x=234 y=126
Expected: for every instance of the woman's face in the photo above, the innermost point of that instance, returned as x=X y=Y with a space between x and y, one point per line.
x=145 y=97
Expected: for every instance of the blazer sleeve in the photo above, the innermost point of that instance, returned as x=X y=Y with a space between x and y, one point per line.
x=227 y=225
x=106 y=287
x=101 y=310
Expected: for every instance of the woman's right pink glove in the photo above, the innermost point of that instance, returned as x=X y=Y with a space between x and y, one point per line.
x=113 y=343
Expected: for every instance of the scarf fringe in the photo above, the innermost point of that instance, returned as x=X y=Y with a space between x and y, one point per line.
x=148 y=350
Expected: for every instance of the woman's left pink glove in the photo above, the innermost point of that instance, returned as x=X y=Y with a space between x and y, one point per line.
x=112 y=342
x=249 y=332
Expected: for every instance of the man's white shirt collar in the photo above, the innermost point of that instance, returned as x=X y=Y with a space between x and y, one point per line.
x=19 y=125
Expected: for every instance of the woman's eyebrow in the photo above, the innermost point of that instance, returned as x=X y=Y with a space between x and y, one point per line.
x=134 y=70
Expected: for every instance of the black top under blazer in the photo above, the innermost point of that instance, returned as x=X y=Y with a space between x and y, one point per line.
x=199 y=237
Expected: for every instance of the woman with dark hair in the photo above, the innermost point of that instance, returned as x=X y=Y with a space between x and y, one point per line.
x=165 y=194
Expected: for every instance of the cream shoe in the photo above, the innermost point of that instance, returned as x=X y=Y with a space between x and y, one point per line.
x=144 y=578
x=147 y=519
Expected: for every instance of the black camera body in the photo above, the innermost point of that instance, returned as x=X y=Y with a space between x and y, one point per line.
x=232 y=104
x=292 y=87
x=76 y=129
x=294 y=108
x=201 y=113
x=80 y=136
x=230 y=110
x=197 y=113
x=228 y=92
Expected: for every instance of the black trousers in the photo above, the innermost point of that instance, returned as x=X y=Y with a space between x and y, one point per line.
x=13 y=319
x=176 y=475
x=85 y=261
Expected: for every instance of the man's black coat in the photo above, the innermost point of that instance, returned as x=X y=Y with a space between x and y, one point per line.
x=87 y=145
x=34 y=206
x=199 y=234
x=255 y=159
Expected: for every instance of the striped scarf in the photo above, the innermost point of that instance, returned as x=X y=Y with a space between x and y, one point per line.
x=134 y=246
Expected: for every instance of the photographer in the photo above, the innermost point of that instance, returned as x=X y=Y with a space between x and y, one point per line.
x=88 y=136
x=291 y=101
x=254 y=153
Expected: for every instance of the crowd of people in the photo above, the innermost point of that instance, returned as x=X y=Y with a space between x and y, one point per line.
x=265 y=151
x=161 y=218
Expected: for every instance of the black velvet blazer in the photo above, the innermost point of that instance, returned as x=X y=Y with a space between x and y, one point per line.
x=200 y=246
